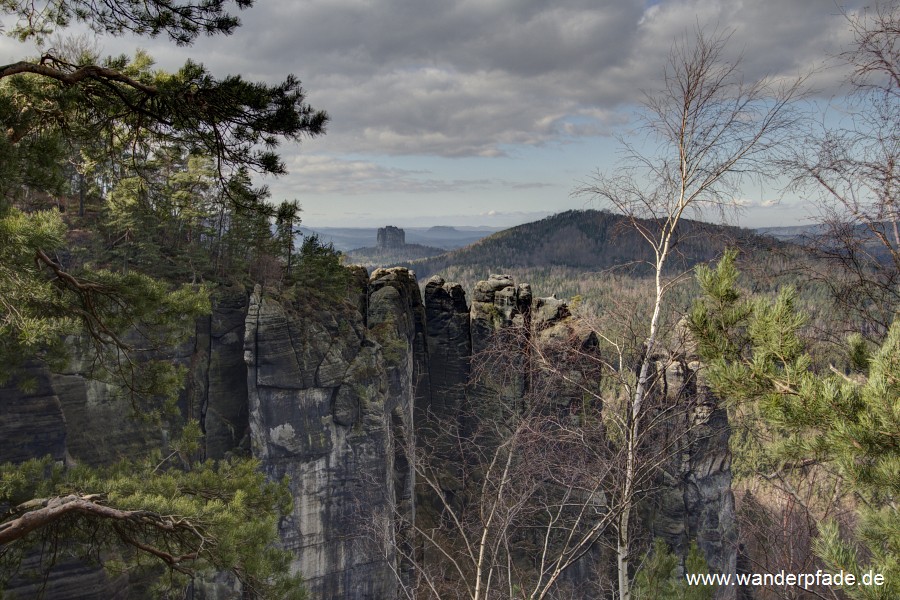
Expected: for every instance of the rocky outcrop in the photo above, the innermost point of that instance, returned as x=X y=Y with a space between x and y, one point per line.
x=496 y=304
x=500 y=312
x=320 y=414
x=695 y=502
x=217 y=384
x=396 y=320
x=449 y=348
x=334 y=396
x=390 y=237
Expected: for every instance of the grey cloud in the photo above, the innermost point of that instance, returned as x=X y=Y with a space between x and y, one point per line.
x=474 y=77
x=470 y=78
x=319 y=174
x=327 y=175
x=530 y=185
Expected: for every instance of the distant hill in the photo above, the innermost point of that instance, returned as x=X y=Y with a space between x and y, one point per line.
x=587 y=240
x=373 y=258
x=822 y=237
x=793 y=232
x=598 y=260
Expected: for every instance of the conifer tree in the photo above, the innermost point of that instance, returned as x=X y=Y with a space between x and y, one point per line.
x=137 y=137
x=287 y=217
x=849 y=422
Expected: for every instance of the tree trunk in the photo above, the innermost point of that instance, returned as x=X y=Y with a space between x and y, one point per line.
x=81 y=195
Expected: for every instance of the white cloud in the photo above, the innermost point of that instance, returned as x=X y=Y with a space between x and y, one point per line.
x=742 y=203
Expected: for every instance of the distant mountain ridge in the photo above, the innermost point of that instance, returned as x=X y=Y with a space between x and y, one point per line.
x=793 y=232
x=375 y=257
x=589 y=240
x=831 y=238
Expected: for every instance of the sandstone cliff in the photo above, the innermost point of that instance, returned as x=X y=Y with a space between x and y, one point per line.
x=333 y=396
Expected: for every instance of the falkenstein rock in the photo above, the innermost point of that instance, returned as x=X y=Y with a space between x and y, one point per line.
x=390 y=237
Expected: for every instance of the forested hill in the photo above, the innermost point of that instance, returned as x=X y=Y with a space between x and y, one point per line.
x=589 y=240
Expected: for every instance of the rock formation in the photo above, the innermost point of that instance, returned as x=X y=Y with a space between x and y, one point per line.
x=329 y=404
x=695 y=501
x=333 y=396
x=449 y=348
x=390 y=237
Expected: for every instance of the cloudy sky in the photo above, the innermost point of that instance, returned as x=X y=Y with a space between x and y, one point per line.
x=486 y=112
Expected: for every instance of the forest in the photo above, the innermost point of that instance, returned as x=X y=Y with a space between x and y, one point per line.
x=474 y=437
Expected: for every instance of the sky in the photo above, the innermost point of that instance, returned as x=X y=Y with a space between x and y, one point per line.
x=488 y=112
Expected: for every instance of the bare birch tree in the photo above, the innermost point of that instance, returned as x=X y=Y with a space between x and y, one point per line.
x=706 y=131
x=523 y=488
x=527 y=500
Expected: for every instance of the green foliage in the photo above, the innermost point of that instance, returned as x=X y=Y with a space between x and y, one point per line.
x=182 y=22
x=160 y=219
x=128 y=106
x=393 y=345
x=849 y=422
x=878 y=552
x=287 y=218
x=42 y=303
x=319 y=271
x=213 y=515
x=28 y=325
x=161 y=164
x=35 y=164
x=721 y=312
x=657 y=577
x=860 y=353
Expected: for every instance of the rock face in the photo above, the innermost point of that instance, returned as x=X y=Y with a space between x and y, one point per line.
x=390 y=237
x=217 y=386
x=322 y=412
x=696 y=501
x=449 y=348
x=33 y=422
x=498 y=305
x=396 y=320
x=334 y=396
x=71 y=419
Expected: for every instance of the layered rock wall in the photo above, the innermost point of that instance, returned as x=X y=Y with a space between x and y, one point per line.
x=334 y=396
x=449 y=341
x=325 y=411
x=695 y=501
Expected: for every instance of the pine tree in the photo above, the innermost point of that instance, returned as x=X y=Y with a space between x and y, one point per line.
x=287 y=218
x=849 y=422
x=164 y=161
